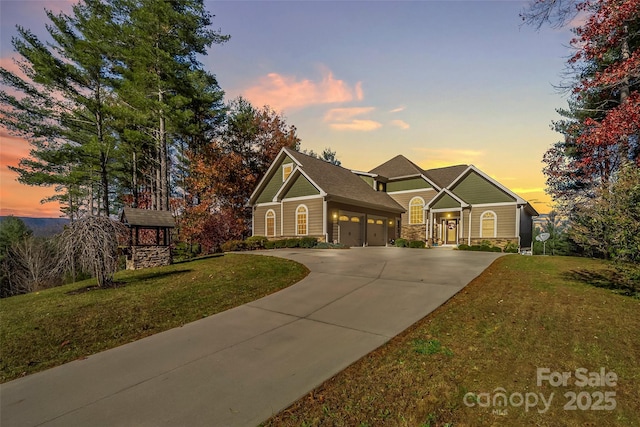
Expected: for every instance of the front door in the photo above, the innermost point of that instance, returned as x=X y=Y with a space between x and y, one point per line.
x=451 y=232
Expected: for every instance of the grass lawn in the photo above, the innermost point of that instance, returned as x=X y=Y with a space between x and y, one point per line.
x=521 y=314
x=51 y=327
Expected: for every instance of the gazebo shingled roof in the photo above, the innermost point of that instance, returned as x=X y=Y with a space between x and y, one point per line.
x=146 y=218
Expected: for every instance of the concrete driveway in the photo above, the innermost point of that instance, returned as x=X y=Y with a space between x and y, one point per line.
x=239 y=367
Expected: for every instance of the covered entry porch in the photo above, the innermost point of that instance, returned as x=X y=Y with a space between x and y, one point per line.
x=446 y=219
x=445 y=227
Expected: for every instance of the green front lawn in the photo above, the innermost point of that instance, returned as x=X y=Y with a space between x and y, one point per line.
x=521 y=314
x=51 y=327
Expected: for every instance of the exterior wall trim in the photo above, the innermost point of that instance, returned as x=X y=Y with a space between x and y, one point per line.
x=411 y=191
x=486 y=205
x=296 y=199
x=446 y=210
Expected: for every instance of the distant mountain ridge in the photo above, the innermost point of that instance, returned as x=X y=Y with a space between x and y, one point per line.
x=43 y=227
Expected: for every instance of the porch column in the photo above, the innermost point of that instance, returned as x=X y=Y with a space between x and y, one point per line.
x=461 y=228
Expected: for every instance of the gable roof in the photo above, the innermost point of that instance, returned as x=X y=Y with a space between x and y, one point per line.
x=399 y=166
x=519 y=200
x=445 y=176
x=147 y=218
x=341 y=184
x=445 y=192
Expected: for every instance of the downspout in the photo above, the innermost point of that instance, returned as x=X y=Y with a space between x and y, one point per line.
x=518 y=209
x=469 y=237
x=324 y=219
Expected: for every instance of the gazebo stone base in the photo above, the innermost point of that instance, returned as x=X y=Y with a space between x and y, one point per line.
x=148 y=256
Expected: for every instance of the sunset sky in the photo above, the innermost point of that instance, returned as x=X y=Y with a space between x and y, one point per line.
x=441 y=82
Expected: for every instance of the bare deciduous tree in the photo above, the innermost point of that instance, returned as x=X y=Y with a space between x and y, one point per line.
x=28 y=266
x=92 y=242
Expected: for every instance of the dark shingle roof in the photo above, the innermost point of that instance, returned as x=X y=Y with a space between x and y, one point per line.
x=396 y=167
x=445 y=176
x=147 y=218
x=343 y=185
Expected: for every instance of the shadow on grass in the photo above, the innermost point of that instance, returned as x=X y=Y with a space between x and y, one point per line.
x=607 y=279
x=200 y=258
x=128 y=281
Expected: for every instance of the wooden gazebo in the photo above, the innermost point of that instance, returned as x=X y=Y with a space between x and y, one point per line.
x=151 y=248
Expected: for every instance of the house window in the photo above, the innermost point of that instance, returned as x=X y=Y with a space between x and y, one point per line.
x=270 y=223
x=416 y=210
x=286 y=171
x=488 y=224
x=302 y=220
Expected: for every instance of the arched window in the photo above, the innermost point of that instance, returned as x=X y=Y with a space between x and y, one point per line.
x=488 y=224
x=270 y=223
x=302 y=224
x=416 y=211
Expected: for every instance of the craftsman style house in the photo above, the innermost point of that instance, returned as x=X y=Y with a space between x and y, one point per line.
x=303 y=196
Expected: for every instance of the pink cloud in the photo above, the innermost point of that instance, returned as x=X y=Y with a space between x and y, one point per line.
x=397 y=110
x=357 y=125
x=286 y=92
x=401 y=124
x=343 y=114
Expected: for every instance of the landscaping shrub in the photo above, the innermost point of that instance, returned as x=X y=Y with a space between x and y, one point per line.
x=511 y=248
x=232 y=245
x=256 y=242
x=401 y=243
x=417 y=244
x=270 y=244
x=308 y=242
x=279 y=244
x=183 y=251
x=292 y=243
x=485 y=246
x=325 y=245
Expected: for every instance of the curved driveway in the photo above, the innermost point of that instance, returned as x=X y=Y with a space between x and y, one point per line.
x=239 y=367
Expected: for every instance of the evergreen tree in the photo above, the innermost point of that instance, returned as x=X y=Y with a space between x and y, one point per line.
x=63 y=106
x=161 y=78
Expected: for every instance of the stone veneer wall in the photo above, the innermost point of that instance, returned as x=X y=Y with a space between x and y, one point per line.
x=148 y=256
x=414 y=232
x=500 y=242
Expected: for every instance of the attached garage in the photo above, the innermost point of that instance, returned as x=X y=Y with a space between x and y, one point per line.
x=376 y=231
x=350 y=231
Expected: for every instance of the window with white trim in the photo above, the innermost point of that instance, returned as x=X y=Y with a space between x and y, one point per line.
x=302 y=223
x=488 y=224
x=270 y=223
x=286 y=171
x=416 y=211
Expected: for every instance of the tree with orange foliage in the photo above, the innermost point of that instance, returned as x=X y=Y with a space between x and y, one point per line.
x=224 y=172
x=601 y=127
x=593 y=173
